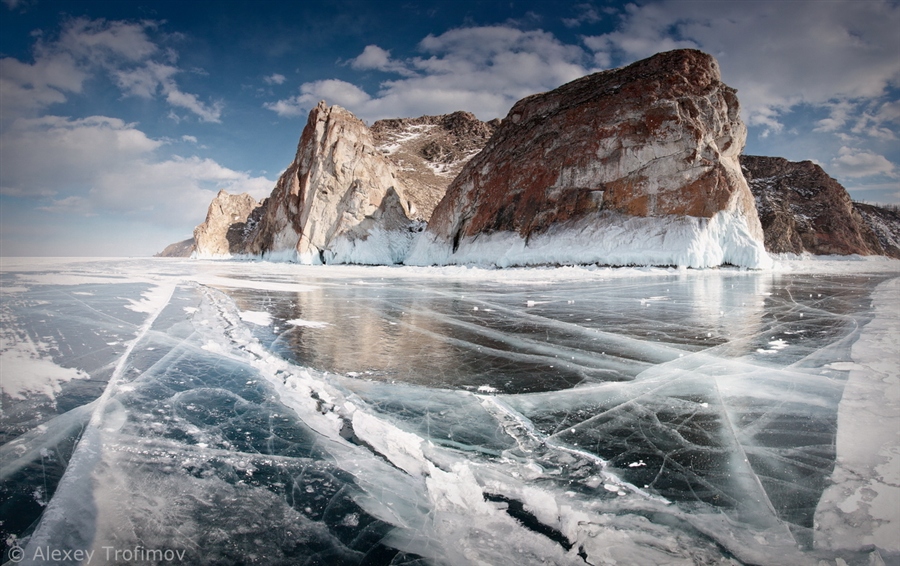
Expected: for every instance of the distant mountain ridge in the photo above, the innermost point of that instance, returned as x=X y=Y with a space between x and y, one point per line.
x=639 y=165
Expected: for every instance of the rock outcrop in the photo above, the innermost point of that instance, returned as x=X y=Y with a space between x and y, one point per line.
x=885 y=223
x=429 y=152
x=229 y=221
x=183 y=248
x=803 y=210
x=633 y=165
x=351 y=195
x=338 y=178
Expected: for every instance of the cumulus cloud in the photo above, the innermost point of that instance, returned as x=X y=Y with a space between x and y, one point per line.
x=777 y=54
x=854 y=163
x=123 y=51
x=481 y=69
x=376 y=58
x=102 y=165
x=275 y=79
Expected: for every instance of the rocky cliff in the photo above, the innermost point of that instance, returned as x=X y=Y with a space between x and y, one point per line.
x=802 y=209
x=633 y=165
x=429 y=152
x=183 y=248
x=351 y=194
x=885 y=223
x=230 y=219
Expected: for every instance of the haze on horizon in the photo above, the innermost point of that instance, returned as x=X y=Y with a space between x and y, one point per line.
x=120 y=121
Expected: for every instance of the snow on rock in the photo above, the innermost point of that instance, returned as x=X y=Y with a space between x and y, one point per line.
x=630 y=166
x=430 y=151
x=802 y=209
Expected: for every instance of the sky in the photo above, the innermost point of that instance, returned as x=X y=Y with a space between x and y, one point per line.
x=120 y=121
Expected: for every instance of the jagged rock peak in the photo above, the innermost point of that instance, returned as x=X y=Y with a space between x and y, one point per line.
x=337 y=179
x=802 y=209
x=225 y=230
x=658 y=141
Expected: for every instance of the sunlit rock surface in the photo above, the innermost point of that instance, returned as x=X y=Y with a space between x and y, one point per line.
x=633 y=165
x=337 y=179
x=227 y=225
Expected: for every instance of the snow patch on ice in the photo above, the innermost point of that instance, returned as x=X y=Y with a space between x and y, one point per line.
x=153 y=300
x=307 y=323
x=27 y=370
x=861 y=505
x=259 y=318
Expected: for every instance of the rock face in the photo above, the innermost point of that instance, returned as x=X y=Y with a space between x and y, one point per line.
x=351 y=195
x=802 y=209
x=885 y=223
x=337 y=179
x=228 y=223
x=632 y=165
x=429 y=152
x=183 y=248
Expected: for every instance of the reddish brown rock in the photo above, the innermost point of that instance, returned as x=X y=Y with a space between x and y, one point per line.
x=885 y=223
x=658 y=139
x=803 y=210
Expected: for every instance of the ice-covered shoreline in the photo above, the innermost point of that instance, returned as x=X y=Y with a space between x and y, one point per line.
x=861 y=507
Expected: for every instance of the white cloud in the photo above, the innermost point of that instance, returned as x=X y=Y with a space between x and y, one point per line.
x=853 y=162
x=777 y=54
x=189 y=139
x=275 y=79
x=85 y=48
x=376 y=58
x=480 y=69
x=102 y=165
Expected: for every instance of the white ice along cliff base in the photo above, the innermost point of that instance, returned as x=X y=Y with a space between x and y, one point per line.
x=632 y=166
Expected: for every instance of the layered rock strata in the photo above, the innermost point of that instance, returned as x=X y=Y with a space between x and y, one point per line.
x=803 y=210
x=633 y=165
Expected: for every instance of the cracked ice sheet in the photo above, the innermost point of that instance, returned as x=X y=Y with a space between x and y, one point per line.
x=559 y=488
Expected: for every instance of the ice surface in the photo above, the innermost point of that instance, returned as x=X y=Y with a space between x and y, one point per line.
x=271 y=413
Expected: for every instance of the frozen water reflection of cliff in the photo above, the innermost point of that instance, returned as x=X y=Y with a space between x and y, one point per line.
x=262 y=413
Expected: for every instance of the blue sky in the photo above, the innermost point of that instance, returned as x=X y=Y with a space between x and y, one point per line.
x=119 y=121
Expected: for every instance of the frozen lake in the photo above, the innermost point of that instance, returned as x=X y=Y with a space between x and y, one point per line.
x=259 y=413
